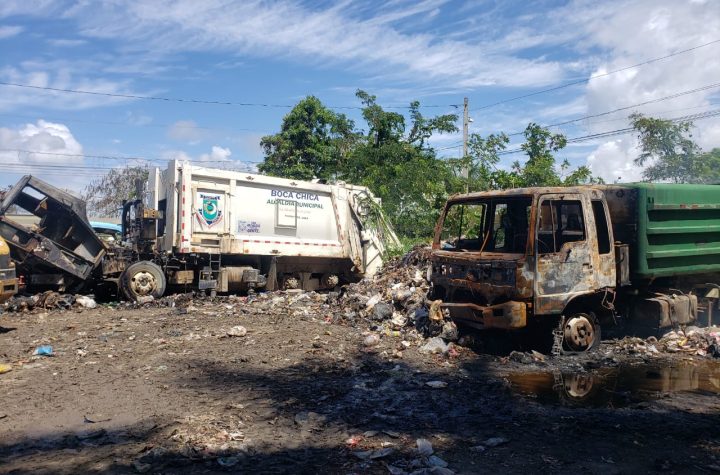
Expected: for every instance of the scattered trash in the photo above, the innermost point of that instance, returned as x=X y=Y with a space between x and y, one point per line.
x=44 y=350
x=382 y=311
x=436 y=384
x=435 y=461
x=371 y=340
x=495 y=441
x=238 y=330
x=373 y=454
x=5 y=368
x=435 y=345
x=85 y=301
x=424 y=447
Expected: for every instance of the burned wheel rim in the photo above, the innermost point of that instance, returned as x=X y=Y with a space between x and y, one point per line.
x=143 y=279
x=143 y=283
x=580 y=332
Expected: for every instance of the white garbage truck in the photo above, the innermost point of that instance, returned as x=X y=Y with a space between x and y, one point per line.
x=200 y=228
x=227 y=231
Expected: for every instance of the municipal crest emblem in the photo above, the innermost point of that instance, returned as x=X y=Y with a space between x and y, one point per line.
x=209 y=213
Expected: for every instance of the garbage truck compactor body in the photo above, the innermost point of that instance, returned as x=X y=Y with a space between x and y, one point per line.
x=202 y=228
x=570 y=261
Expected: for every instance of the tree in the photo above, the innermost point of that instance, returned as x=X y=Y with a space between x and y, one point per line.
x=481 y=162
x=396 y=165
x=670 y=154
x=312 y=143
x=539 y=169
x=105 y=195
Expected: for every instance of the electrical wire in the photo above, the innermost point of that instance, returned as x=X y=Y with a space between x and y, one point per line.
x=652 y=101
x=583 y=81
x=194 y=101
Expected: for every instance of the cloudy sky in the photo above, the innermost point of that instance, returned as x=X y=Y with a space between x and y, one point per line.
x=257 y=58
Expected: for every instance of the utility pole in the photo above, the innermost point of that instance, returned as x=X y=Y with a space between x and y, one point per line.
x=466 y=122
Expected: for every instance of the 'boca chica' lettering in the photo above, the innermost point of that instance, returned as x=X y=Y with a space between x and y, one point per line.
x=298 y=195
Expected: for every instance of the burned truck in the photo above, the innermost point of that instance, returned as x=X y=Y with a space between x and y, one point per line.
x=199 y=229
x=568 y=262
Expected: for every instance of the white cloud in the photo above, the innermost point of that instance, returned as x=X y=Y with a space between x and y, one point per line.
x=217 y=154
x=632 y=32
x=344 y=35
x=613 y=161
x=58 y=75
x=8 y=31
x=42 y=148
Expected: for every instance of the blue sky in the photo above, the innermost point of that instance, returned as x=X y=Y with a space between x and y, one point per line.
x=275 y=53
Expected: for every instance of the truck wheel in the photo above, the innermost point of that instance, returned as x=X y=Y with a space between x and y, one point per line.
x=581 y=332
x=143 y=279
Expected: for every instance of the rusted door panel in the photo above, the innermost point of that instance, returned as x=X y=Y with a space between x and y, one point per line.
x=604 y=263
x=569 y=271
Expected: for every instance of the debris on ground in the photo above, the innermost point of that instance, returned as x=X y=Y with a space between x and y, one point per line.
x=371 y=378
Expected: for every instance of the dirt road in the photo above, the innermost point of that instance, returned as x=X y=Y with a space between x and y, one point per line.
x=168 y=390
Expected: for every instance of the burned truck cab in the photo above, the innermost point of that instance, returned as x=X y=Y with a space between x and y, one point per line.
x=515 y=258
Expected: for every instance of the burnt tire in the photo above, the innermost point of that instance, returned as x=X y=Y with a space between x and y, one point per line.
x=143 y=279
x=581 y=332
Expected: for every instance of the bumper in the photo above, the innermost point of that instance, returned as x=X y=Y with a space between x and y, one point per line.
x=508 y=316
x=8 y=284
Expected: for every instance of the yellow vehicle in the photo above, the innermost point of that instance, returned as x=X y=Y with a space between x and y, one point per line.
x=8 y=279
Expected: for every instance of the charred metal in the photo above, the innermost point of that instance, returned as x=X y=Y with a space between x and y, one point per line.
x=580 y=257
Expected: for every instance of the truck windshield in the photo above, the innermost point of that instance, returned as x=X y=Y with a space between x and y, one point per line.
x=495 y=225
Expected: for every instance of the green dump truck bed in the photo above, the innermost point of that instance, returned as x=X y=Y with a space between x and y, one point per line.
x=672 y=229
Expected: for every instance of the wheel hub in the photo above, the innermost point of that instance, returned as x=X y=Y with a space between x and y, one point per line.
x=577 y=386
x=579 y=333
x=143 y=283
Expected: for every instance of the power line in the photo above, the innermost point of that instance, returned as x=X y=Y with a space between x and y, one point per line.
x=652 y=101
x=114 y=157
x=610 y=133
x=194 y=101
x=127 y=124
x=582 y=81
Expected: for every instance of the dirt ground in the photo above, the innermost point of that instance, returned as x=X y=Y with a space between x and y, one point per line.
x=167 y=390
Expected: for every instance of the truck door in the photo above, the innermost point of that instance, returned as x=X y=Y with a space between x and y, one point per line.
x=605 y=257
x=563 y=251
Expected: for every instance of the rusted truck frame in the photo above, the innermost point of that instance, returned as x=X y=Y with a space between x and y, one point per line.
x=61 y=251
x=558 y=260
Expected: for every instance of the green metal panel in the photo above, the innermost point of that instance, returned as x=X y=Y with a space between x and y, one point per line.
x=678 y=230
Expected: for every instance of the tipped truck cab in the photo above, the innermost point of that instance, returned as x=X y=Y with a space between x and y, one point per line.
x=571 y=257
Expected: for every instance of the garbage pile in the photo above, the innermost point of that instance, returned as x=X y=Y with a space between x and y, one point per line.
x=691 y=341
x=395 y=303
x=49 y=301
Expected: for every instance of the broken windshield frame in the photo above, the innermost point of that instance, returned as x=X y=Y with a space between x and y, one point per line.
x=491 y=224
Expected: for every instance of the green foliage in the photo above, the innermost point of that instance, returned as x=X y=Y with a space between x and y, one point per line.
x=539 y=170
x=409 y=179
x=313 y=141
x=391 y=157
x=670 y=154
x=405 y=246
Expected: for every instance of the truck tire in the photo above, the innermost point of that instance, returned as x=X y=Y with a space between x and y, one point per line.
x=143 y=279
x=581 y=332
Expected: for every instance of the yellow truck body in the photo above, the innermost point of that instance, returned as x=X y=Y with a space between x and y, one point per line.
x=8 y=278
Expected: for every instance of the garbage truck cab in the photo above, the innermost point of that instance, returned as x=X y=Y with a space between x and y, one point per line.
x=570 y=258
